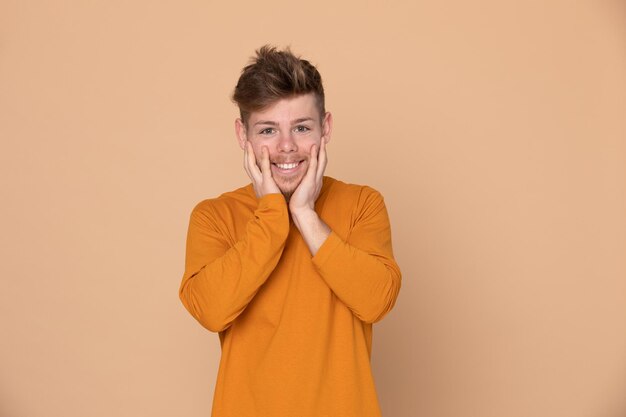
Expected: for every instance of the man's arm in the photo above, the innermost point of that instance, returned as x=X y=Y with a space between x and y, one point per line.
x=302 y=203
x=359 y=268
x=221 y=278
x=313 y=230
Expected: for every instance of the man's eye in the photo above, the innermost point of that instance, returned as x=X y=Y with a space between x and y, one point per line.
x=267 y=131
x=302 y=129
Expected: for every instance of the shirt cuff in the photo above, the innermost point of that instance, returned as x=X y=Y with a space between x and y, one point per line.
x=275 y=200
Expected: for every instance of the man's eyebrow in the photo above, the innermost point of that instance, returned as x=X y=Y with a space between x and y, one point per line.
x=303 y=119
x=293 y=122
x=266 y=122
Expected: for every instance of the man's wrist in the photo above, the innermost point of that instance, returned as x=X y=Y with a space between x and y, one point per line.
x=312 y=228
x=302 y=215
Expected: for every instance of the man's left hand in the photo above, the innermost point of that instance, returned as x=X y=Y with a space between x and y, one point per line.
x=304 y=197
x=302 y=203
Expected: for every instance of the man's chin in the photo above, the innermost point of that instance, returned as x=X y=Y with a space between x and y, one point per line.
x=288 y=189
x=287 y=192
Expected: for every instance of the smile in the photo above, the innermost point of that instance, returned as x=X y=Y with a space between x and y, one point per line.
x=288 y=166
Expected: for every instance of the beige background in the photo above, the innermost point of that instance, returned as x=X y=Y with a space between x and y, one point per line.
x=496 y=131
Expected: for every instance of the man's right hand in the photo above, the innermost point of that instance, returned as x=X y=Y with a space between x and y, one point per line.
x=262 y=180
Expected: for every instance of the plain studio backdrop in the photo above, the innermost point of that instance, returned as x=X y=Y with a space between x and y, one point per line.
x=495 y=130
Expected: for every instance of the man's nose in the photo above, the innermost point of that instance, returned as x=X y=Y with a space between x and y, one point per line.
x=286 y=142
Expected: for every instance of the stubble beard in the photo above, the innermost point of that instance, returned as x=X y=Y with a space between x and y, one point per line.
x=287 y=186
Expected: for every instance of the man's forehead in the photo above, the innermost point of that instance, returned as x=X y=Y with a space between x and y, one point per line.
x=287 y=110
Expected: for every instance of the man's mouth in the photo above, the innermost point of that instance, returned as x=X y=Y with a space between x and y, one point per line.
x=287 y=166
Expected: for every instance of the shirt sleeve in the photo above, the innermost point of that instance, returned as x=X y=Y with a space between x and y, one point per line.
x=222 y=278
x=360 y=268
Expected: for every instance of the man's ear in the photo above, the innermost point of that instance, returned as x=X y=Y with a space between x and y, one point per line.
x=327 y=127
x=242 y=135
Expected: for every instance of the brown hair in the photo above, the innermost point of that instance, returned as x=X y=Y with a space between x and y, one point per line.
x=273 y=75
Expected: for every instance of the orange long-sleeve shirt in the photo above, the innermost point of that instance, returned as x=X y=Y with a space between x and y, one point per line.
x=295 y=330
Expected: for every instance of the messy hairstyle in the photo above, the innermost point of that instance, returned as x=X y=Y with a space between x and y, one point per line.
x=273 y=75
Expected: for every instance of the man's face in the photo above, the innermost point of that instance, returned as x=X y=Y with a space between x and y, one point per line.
x=288 y=128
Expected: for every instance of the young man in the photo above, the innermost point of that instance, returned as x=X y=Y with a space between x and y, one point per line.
x=292 y=269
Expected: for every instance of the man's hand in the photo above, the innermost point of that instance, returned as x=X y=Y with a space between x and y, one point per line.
x=304 y=197
x=262 y=180
x=302 y=203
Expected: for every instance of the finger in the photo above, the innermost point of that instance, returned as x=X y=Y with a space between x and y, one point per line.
x=265 y=163
x=312 y=168
x=255 y=174
x=322 y=161
x=245 y=161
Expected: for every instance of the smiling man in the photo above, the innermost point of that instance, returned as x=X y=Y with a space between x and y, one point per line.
x=293 y=269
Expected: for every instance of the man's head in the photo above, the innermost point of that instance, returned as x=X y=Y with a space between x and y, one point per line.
x=281 y=104
x=273 y=75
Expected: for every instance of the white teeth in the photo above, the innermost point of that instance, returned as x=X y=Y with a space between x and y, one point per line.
x=287 y=166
